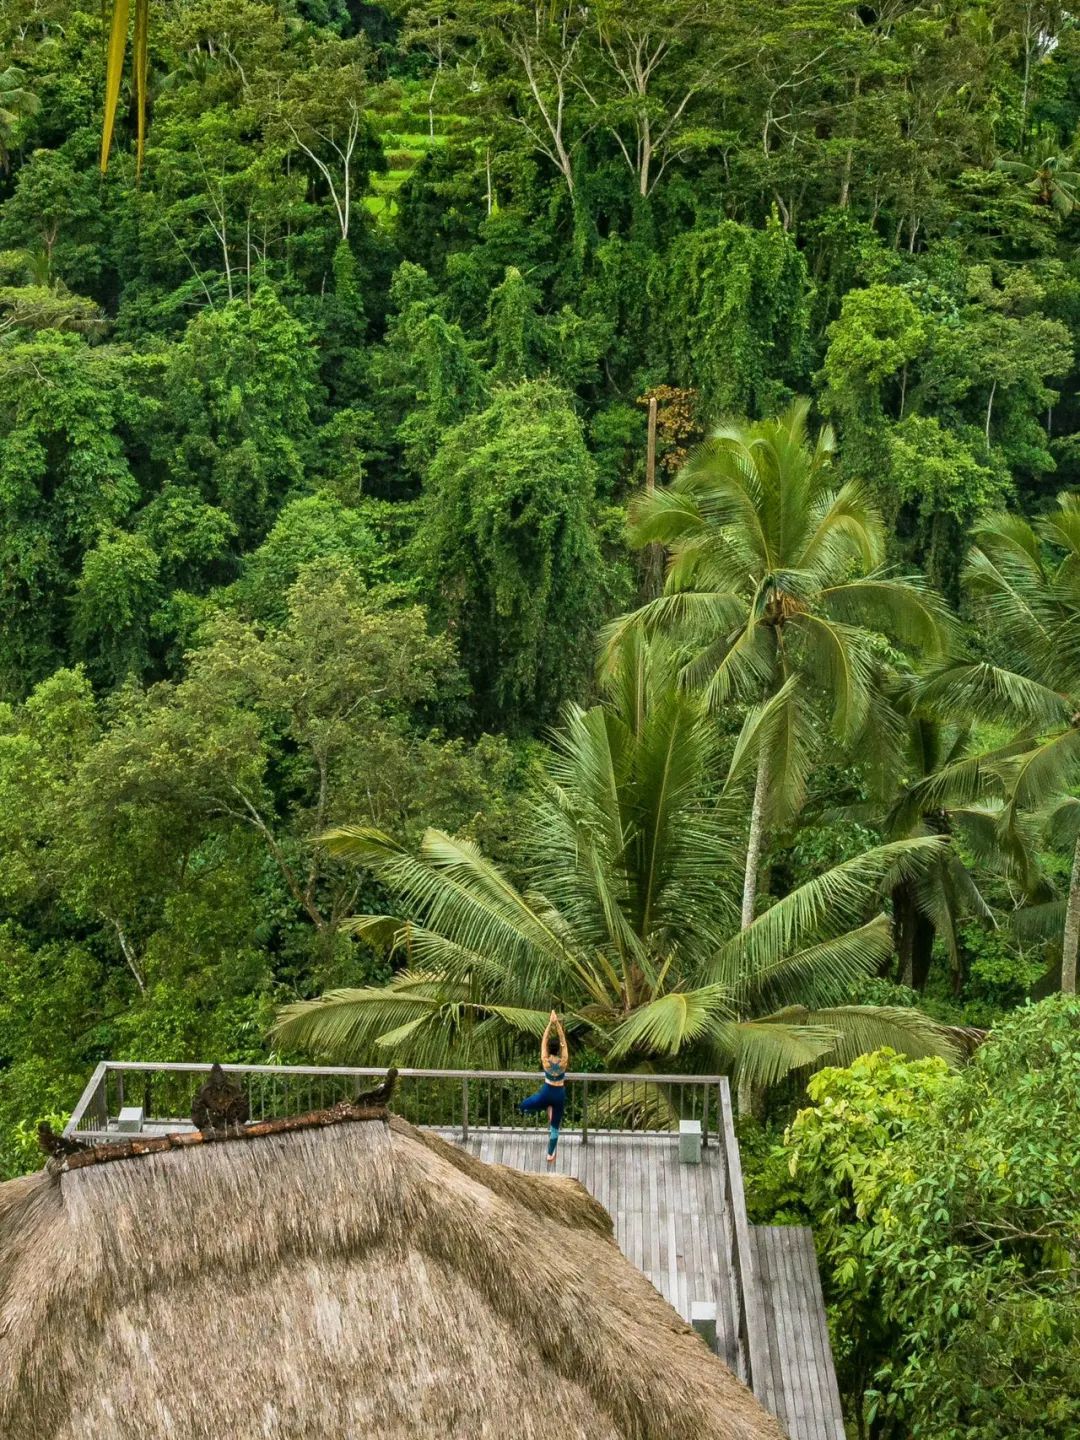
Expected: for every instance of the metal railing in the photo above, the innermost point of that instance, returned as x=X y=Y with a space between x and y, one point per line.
x=453 y=1100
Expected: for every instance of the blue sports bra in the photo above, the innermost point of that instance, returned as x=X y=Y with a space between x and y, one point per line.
x=554 y=1074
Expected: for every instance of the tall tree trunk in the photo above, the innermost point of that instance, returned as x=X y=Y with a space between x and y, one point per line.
x=845 y=184
x=653 y=578
x=914 y=937
x=754 y=839
x=904 y=931
x=1072 y=927
x=748 y=1101
x=922 y=952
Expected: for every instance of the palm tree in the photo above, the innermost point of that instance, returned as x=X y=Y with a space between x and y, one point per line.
x=627 y=924
x=777 y=594
x=16 y=103
x=1052 y=182
x=1025 y=579
x=945 y=785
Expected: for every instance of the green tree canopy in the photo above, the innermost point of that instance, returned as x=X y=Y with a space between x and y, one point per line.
x=510 y=556
x=733 y=306
x=239 y=397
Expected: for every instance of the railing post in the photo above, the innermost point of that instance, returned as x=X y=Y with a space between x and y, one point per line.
x=465 y=1109
x=585 y=1111
x=101 y=1100
x=705 y=1118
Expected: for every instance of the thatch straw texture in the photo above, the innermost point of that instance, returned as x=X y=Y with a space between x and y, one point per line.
x=358 y=1281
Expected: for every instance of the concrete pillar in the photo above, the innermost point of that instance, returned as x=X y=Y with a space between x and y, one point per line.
x=131 y=1120
x=690 y=1142
x=703 y=1319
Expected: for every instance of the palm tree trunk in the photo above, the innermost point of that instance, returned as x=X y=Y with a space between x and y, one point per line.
x=755 y=838
x=922 y=955
x=1072 y=927
x=904 y=928
x=747 y=1100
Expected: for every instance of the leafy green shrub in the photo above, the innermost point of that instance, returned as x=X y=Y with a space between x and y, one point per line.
x=946 y=1209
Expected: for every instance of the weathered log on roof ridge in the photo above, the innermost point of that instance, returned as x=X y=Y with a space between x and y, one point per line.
x=135 y=1145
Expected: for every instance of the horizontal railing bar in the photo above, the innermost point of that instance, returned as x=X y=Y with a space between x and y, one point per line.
x=200 y=1067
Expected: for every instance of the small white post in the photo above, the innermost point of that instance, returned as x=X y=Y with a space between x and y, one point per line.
x=703 y=1319
x=690 y=1142
x=130 y=1121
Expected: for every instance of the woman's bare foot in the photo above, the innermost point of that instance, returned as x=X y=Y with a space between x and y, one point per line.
x=551 y=1159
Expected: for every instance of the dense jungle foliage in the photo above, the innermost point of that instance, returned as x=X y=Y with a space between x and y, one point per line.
x=323 y=513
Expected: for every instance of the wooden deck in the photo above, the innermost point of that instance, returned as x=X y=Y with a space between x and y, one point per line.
x=797 y=1380
x=670 y=1219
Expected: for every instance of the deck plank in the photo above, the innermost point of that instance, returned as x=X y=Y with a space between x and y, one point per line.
x=800 y=1363
x=829 y=1390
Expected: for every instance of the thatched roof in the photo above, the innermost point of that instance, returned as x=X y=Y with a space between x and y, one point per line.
x=359 y=1281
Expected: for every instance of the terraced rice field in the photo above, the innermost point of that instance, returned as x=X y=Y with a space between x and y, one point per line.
x=407 y=134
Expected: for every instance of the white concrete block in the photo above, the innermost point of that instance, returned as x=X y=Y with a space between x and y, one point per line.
x=703 y=1319
x=131 y=1120
x=690 y=1142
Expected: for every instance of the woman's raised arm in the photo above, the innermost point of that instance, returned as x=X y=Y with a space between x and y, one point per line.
x=544 y=1041
x=564 y=1052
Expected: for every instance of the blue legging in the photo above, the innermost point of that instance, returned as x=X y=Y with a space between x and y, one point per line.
x=548 y=1097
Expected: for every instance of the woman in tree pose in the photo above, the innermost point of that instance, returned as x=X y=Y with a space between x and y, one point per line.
x=554 y=1059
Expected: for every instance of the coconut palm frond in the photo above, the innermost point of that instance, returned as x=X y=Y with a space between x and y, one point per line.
x=840 y=656
x=828 y=970
x=901 y=606
x=680 y=614
x=967 y=691
x=842 y=522
x=425 y=1020
x=1009 y=539
x=1045 y=771
x=454 y=892
x=348 y=1025
x=733 y=665
x=382 y=932
x=1000 y=837
x=763 y=1052
x=831 y=901
x=428 y=951
x=782 y=732
x=634 y=1105
x=1062 y=823
x=114 y=72
x=664 y=516
x=1040 y=924
x=956 y=783
x=361 y=843
x=861 y=1029
x=671 y=1022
